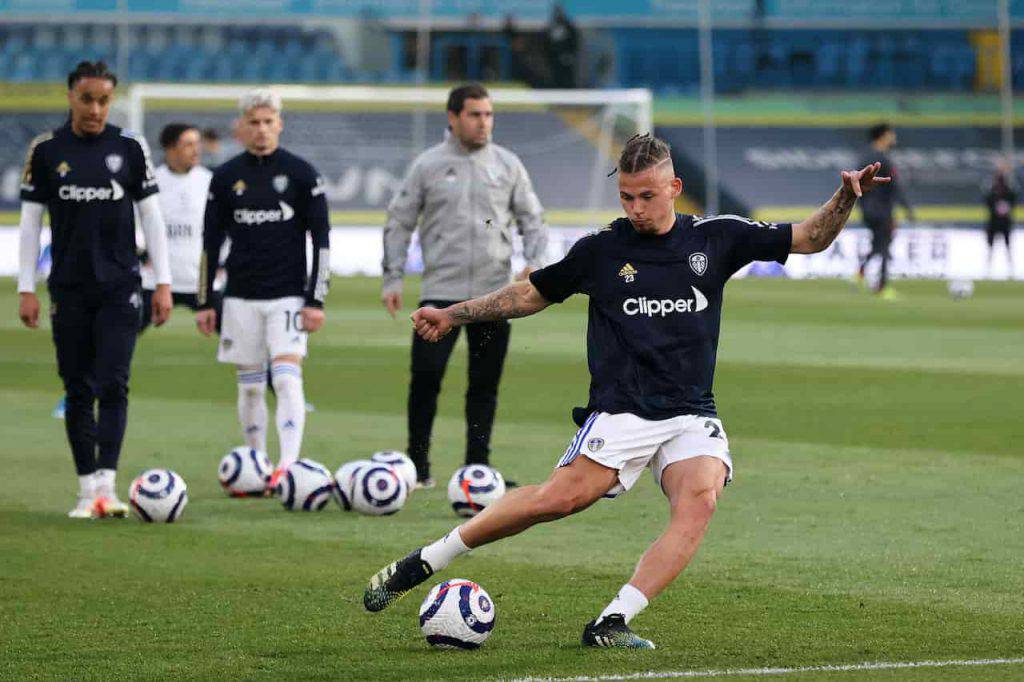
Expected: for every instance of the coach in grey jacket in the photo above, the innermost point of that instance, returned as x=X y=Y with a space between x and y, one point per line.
x=464 y=193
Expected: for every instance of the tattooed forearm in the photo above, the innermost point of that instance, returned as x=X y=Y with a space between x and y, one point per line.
x=821 y=229
x=515 y=300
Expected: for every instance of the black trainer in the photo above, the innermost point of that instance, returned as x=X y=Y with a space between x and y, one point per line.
x=392 y=582
x=612 y=632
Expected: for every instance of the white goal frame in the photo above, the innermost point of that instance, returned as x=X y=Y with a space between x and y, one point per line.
x=635 y=104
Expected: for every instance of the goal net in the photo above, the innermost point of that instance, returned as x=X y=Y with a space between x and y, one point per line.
x=362 y=138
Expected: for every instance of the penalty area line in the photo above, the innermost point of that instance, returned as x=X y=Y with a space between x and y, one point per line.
x=851 y=667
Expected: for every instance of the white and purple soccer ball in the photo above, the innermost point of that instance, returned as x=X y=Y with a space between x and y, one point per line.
x=305 y=485
x=401 y=463
x=473 y=487
x=343 y=479
x=457 y=614
x=378 y=490
x=245 y=472
x=158 y=496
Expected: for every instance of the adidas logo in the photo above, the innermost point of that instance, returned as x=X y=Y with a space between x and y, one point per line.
x=628 y=272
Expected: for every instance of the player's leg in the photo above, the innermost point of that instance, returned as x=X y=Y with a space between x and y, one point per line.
x=693 y=487
x=873 y=228
x=242 y=344
x=252 y=405
x=429 y=361
x=488 y=345
x=115 y=330
x=72 y=325
x=286 y=343
x=885 y=235
x=569 y=489
x=692 y=467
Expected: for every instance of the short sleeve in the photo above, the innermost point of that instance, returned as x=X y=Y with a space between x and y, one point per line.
x=745 y=241
x=143 y=176
x=568 y=276
x=35 y=181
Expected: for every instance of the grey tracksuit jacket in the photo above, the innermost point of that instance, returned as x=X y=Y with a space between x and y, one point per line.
x=468 y=202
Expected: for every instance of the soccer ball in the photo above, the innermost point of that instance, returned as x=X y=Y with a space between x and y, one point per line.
x=377 y=489
x=960 y=288
x=401 y=463
x=457 y=614
x=343 y=478
x=245 y=471
x=305 y=485
x=473 y=487
x=158 y=495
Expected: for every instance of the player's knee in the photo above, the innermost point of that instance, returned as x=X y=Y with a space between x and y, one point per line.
x=697 y=504
x=286 y=376
x=112 y=391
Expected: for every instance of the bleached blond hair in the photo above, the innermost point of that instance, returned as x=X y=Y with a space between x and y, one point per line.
x=259 y=97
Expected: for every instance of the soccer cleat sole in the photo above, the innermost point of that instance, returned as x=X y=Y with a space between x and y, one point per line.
x=378 y=596
x=620 y=642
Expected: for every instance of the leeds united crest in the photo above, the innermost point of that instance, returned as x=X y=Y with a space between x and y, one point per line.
x=280 y=183
x=114 y=162
x=698 y=262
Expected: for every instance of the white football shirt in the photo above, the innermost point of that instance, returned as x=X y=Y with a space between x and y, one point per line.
x=183 y=203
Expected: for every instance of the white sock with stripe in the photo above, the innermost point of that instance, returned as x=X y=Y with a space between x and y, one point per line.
x=439 y=554
x=252 y=406
x=629 y=602
x=291 y=409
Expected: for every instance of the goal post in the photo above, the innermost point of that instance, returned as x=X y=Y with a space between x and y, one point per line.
x=363 y=137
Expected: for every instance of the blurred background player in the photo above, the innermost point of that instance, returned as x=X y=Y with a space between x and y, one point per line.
x=266 y=200
x=212 y=148
x=1000 y=198
x=468 y=192
x=877 y=207
x=88 y=174
x=184 y=184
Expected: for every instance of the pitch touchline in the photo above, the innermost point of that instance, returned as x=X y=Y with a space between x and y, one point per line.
x=885 y=665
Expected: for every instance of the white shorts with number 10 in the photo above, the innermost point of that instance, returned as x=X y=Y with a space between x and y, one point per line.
x=255 y=331
x=630 y=444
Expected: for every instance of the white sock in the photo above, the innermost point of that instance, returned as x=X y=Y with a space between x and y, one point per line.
x=291 y=409
x=105 y=482
x=629 y=602
x=439 y=554
x=86 y=487
x=252 y=407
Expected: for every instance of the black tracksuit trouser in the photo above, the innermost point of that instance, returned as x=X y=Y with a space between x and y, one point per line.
x=488 y=344
x=94 y=329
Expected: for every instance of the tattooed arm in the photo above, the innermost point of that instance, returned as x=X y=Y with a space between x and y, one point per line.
x=518 y=299
x=817 y=232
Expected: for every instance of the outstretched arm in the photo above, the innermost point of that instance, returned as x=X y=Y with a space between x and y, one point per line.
x=518 y=299
x=820 y=230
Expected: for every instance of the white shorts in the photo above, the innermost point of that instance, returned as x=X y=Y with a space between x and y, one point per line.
x=630 y=444
x=254 y=331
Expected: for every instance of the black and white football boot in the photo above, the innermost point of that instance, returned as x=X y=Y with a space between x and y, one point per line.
x=395 y=580
x=612 y=632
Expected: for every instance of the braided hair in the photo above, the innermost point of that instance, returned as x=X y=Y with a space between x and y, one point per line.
x=643 y=151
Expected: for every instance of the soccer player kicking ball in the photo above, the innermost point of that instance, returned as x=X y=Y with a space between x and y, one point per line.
x=655 y=282
x=266 y=200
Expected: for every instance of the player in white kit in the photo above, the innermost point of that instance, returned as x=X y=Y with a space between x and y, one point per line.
x=184 y=184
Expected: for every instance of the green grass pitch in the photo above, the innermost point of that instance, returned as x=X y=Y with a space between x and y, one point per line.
x=877 y=512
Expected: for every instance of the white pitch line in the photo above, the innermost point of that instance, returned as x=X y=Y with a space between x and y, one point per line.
x=884 y=665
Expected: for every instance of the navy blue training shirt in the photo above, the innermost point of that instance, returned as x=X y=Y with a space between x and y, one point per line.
x=266 y=204
x=89 y=184
x=656 y=307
